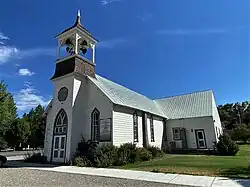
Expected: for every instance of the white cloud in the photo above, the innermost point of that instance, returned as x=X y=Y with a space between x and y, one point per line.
x=105 y=2
x=3 y=37
x=8 y=53
x=111 y=43
x=28 y=98
x=25 y=72
x=51 y=51
x=27 y=84
x=191 y=32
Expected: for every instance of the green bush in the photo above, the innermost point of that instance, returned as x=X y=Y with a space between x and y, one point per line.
x=88 y=149
x=155 y=151
x=35 y=158
x=226 y=146
x=89 y=154
x=241 y=133
x=143 y=154
x=126 y=154
x=82 y=161
x=107 y=155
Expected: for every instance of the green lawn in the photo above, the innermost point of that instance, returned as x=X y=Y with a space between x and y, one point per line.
x=230 y=166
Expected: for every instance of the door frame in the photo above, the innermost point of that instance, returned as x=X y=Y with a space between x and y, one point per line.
x=197 y=143
x=54 y=133
x=53 y=148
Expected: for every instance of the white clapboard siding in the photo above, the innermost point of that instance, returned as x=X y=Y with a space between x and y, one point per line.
x=123 y=126
x=158 y=132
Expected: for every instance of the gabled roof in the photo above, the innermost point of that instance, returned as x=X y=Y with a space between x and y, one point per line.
x=121 y=95
x=198 y=104
x=79 y=26
x=48 y=107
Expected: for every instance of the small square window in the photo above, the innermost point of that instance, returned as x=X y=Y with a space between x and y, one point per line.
x=176 y=133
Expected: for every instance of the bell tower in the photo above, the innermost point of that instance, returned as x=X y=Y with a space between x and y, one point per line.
x=76 y=41
x=75 y=60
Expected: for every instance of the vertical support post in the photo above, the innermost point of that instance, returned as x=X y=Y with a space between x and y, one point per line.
x=76 y=44
x=93 y=53
x=58 y=49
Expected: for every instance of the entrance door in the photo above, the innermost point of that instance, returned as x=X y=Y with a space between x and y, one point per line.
x=59 y=148
x=200 y=137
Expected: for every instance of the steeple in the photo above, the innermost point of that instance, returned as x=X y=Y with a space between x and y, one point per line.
x=78 y=18
x=76 y=40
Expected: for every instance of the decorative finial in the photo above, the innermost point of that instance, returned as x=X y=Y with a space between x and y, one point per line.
x=78 y=19
x=79 y=13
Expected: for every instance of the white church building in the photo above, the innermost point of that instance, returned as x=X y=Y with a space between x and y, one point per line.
x=87 y=105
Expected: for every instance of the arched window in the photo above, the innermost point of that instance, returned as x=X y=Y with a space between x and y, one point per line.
x=61 y=123
x=95 y=125
x=135 y=125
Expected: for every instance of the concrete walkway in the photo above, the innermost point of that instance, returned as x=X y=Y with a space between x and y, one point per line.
x=177 y=179
x=17 y=157
x=153 y=177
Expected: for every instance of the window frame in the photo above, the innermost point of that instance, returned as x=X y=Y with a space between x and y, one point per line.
x=95 y=125
x=152 y=135
x=174 y=137
x=61 y=122
x=135 y=128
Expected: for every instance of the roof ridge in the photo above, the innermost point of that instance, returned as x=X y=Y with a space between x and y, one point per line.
x=125 y=87
x=184 y=94
x=128 y=97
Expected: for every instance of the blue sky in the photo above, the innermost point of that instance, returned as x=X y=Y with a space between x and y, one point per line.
x=158 y=48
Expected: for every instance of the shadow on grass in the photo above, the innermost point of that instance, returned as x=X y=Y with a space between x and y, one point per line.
x=241 y=172
x=238 y=175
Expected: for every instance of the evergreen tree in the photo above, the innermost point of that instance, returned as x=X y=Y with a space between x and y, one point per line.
x=7 y=113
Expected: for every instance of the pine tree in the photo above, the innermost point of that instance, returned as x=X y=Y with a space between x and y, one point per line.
x=7 y=113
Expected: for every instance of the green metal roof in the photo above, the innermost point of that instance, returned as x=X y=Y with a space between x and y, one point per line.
x=121 y=95
x=198 y=104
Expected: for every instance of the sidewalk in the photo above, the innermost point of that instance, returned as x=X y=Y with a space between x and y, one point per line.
x=17 y=157
x=175 y=179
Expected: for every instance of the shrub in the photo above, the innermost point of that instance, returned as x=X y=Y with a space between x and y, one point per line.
x=87 y=149
x=35 y=158
x=126 y=154
x=3 y=160
x=143 y=154
x=226 y=146
x=106 y=155
x=82 y=161
x=241 y=133
x=155 y=151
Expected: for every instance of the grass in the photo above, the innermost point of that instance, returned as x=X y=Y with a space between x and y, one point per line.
x=228 y=166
